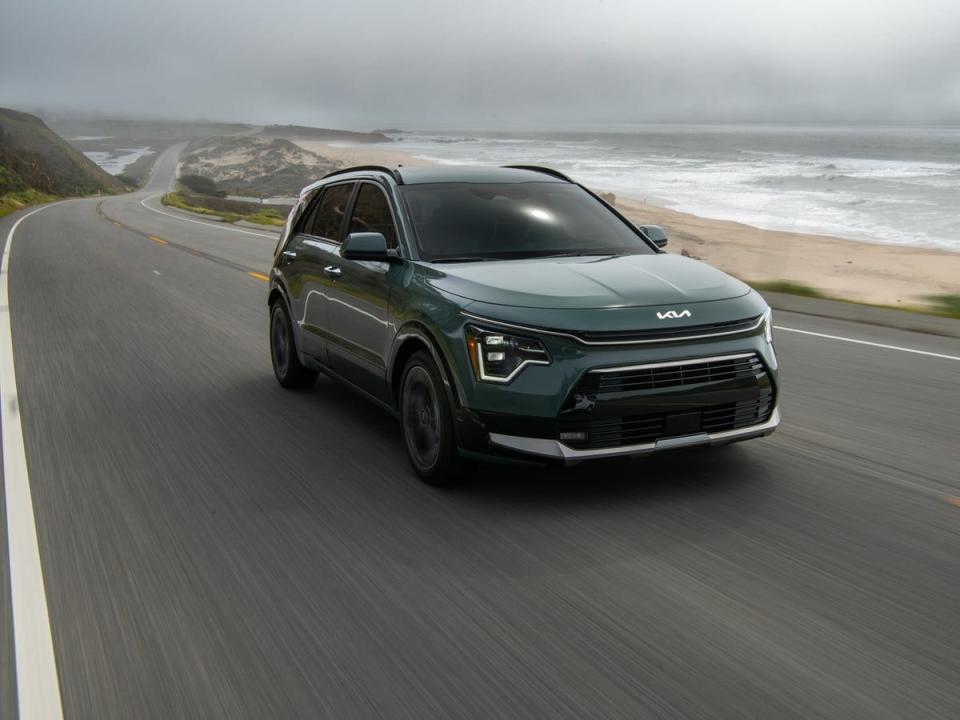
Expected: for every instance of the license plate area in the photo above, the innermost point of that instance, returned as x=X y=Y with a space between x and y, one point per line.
x=686 y=423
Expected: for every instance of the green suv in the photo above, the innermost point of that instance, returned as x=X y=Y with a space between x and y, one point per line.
x=511 y=313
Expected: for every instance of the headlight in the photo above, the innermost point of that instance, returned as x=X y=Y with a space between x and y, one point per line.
x=768 y=325
x=498 y=357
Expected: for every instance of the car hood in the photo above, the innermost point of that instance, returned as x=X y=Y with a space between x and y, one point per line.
x=587 y=282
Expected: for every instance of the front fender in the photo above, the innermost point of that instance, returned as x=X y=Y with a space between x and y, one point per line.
x=414 y=329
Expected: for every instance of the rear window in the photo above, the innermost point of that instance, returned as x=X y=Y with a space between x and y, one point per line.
x=515 y=220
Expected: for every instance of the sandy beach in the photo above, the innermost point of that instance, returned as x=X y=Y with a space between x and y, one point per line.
x=361 y=155
x=849 y=269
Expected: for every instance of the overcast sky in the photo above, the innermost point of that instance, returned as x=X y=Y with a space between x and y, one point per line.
x=498 y=63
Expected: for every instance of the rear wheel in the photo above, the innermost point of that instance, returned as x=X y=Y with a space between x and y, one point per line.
x=427 y=422
x=287 y=367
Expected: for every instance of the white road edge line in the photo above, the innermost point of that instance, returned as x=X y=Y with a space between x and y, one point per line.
x=38 y=686
x=867 y=342
x=201 y=222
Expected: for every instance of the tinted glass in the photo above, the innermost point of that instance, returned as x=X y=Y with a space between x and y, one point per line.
x=309 y=212
x=327 y=221
x=371 y=213
x=515 y=220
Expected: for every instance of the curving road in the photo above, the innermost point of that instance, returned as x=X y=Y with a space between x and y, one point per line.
x=213 y=546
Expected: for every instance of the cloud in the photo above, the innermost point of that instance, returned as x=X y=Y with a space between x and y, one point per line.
x=423 y=63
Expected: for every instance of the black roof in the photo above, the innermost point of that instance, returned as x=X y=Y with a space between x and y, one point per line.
x=461 y=173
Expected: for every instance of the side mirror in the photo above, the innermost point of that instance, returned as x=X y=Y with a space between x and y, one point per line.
x=655 y=233
x=368 y=246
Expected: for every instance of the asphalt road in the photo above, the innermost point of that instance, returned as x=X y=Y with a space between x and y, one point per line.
x=214 y=546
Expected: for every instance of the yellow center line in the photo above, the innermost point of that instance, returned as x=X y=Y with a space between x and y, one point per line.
x=160 y=241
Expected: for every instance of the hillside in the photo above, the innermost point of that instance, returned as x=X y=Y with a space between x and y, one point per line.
x=35 y=159
x=118 y=127
x=243 y=165
x=302 y=132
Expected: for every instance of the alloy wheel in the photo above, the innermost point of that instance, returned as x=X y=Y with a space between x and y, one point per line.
x=421 y=418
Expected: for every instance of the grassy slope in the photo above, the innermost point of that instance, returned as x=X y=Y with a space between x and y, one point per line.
x=942 y=305
x=13 y=201
x=36 y=164
x=227 y=210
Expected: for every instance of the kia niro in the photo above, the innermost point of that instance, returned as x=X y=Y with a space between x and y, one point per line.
x=511 y=313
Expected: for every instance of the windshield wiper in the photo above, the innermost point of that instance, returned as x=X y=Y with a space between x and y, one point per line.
x=574 y=254
x=526 y=255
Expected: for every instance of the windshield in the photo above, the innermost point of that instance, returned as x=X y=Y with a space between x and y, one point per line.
x=481 y=221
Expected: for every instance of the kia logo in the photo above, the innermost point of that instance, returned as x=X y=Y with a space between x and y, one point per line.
x=673 y=314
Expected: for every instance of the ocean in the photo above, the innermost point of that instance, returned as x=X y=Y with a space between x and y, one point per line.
x=114 y=161
x=880 y=184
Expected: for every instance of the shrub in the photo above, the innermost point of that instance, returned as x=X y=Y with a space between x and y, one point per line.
x=789 y=287
x=948 y=305
x=201 y=185
x=10 y=182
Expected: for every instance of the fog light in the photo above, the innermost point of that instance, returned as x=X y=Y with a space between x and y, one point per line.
x=495 y=356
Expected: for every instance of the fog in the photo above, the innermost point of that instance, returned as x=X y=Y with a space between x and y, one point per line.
x=517 y=63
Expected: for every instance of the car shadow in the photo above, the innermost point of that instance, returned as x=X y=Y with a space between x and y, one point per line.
x=693 y=473
x=327 y=458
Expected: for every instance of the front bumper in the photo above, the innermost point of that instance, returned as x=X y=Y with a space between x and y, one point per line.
x=622 y=399
x=556 y=450
x=627 y=410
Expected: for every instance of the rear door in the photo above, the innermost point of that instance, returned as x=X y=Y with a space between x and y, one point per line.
x=359 y=294
x=294 y=267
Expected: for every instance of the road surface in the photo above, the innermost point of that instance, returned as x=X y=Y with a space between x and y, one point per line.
x=213 y=546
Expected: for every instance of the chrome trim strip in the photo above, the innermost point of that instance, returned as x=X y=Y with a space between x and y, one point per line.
x=557 y=333
x=511 y=376
x=545 y=447
x=674 y=363
x=682 y=441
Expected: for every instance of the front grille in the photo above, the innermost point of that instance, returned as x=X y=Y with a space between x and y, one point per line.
x=654 y=377
x=643 y=404
x=736 y=415
x=637 y=429
x=666 y=334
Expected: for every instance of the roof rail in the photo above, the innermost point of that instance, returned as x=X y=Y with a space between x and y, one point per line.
x=393 y=172
x=545 y=170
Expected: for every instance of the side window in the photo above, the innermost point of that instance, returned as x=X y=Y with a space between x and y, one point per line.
x=308 y=213
x=327 y=220
x=371 y=213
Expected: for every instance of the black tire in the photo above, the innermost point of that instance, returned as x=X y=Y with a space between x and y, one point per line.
x=427 y=422
x=290 y=373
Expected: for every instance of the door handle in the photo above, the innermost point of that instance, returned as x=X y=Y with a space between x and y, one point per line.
x=333 y=271
x=289 y=254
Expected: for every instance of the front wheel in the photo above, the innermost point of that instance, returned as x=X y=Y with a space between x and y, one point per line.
x=427 y=422
x=287 y=367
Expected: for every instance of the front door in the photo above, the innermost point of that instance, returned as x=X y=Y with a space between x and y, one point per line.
x=358 y=299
